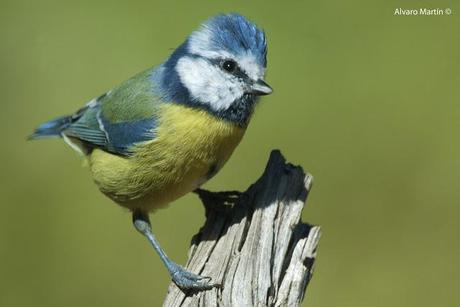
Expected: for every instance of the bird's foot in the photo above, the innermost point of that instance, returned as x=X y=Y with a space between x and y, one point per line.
x=189 y=281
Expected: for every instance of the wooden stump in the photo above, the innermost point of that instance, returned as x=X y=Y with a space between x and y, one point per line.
x=253 y=243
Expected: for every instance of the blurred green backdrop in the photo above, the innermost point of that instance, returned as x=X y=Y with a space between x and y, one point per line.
x=366 y=101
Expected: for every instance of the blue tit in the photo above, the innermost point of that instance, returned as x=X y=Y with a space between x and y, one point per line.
x=169 y=129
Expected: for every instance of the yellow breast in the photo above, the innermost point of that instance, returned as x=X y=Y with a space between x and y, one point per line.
x=190 y=146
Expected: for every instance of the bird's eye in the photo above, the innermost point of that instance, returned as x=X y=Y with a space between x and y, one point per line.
x=229 y=65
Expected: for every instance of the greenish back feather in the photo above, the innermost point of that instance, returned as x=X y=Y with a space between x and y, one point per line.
x=120 y=119
x=132 y=100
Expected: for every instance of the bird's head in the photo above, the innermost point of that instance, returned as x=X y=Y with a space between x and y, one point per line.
x=221 y=66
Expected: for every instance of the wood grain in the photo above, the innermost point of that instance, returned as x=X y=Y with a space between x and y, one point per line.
x=253 y=243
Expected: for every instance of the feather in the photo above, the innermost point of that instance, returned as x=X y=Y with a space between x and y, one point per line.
x=114 y=122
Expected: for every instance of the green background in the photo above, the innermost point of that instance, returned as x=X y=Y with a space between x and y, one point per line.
x=366 y=101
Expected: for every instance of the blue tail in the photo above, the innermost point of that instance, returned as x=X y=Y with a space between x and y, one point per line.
x=52 y=128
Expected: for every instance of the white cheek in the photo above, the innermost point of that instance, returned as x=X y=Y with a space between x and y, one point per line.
x=208 y=83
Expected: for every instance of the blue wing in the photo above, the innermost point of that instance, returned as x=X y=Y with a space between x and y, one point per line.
x=95 y=130
x=114 y=122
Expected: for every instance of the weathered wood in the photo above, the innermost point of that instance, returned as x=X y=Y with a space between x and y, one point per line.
x=253 y=243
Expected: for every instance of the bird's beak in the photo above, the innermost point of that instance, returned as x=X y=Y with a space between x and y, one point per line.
x=260 y=88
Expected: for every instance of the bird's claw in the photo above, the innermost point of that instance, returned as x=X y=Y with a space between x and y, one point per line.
x=189 y=281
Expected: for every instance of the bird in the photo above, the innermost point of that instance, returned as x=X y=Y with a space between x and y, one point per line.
x=170 y=128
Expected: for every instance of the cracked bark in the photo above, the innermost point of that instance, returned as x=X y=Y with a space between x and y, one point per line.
x=254 y=243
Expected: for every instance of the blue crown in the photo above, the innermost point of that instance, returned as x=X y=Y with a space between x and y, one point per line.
x=237 y=35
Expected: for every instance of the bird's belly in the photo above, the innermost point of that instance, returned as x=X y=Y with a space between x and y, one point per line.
x=190 y=146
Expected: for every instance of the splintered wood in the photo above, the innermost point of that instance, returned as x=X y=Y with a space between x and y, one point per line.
x=254 y=243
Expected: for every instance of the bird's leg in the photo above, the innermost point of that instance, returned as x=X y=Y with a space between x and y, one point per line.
x=182 y=278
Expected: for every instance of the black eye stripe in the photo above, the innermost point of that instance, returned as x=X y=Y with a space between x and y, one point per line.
x=241 y=74
x=238 y=72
